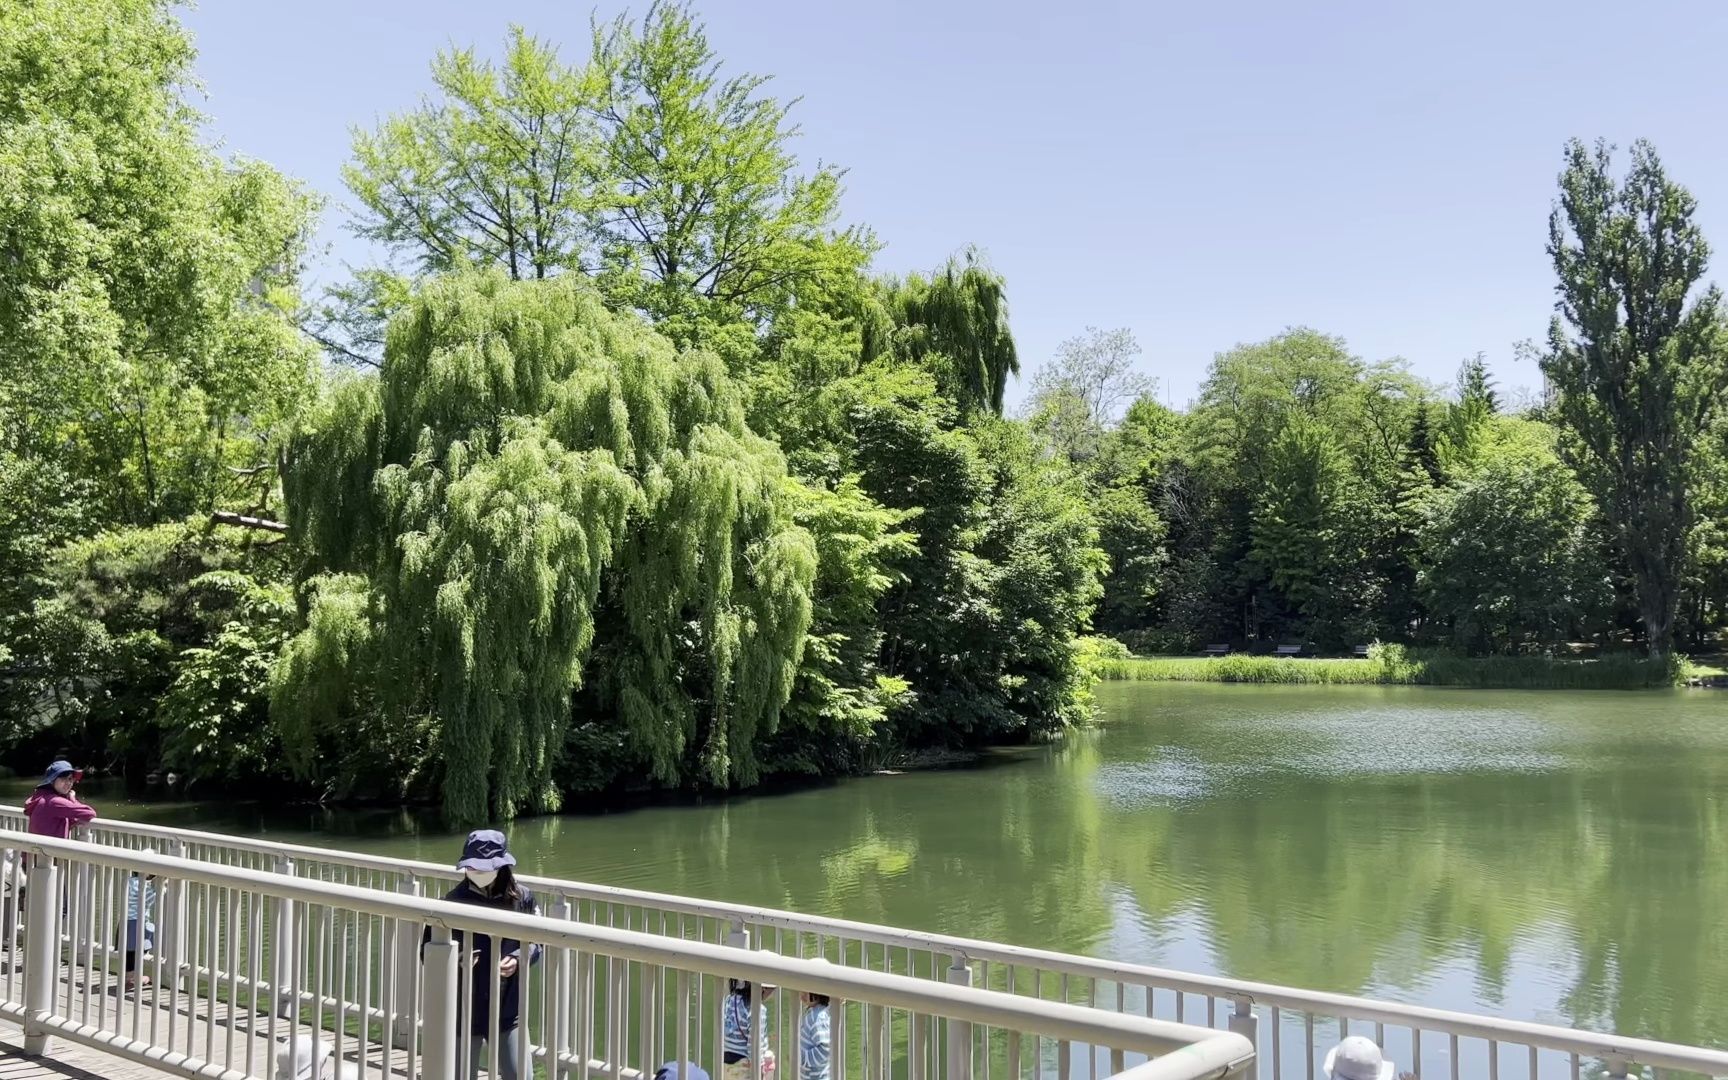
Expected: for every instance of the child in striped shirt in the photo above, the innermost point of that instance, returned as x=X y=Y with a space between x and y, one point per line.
x=736 y=1030
x=813 y=1039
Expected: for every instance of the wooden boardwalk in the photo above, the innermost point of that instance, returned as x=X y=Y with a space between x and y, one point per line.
x=236 y=1039
x=68 y=1061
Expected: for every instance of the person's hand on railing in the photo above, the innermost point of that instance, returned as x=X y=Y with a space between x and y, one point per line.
x=507 y=967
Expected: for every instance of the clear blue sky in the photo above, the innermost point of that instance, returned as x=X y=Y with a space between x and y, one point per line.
x=1203 y=173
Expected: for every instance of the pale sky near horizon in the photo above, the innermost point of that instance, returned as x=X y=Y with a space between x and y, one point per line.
x=1204 y=174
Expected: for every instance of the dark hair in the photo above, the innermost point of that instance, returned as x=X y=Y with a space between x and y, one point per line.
x=739 y=986
x=504 y=885
x=818 y=999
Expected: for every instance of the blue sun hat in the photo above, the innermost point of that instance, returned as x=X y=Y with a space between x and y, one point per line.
x=674 y=1070
x=59 y=769
x=485 y=850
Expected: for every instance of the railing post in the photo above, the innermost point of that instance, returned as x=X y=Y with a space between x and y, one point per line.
x=173 y=922
x=285 y=952
x=556 y=993
x=738 y=937
x=1243 y=1022
x=41 y=953
x=405 y=972
x=959 y=1031
x=438 y=1013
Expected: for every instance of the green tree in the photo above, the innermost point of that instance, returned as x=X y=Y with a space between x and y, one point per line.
x=1082 y=392
x=500 y=169
x=528 y=477
x=153 y=644
x=1295 y=528
x=147 y=287
x=1466 y=419
x=1256 y=479
x=1639 y=371
x=674 y=187
x=981 y=621
x=954 y=324
x=1510 y=558
x=1476 y=385
x=149 y=362
x=706 y=212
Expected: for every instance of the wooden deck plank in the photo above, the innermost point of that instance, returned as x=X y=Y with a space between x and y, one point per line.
x=194 y=1022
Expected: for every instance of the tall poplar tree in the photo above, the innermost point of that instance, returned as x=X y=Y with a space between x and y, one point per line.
x=1636 y=355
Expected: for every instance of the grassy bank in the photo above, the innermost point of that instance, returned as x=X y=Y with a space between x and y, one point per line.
x=1393 y=666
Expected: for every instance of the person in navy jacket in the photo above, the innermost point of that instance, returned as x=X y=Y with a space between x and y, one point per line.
x=488 y=880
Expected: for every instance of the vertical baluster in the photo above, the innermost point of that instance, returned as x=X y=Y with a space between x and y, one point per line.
x=1277 y=1043
x=683 y=1010
x=878 y=1035
x=254 y=965
x=364 y=980
x=231 y=914
x=80 y=955
x=341 y=963
x=494 y=1050
x=1308 y=1054
x=618 y=1016
x=1092 y=1051
x=524 y=1053
x=645 y=1013
x=162 y=960
x=211 y=962
x=919 y=1049
x=587 y=1005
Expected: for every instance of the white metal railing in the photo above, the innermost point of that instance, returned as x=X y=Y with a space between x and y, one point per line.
x=238 y=963
x=1291 y=1027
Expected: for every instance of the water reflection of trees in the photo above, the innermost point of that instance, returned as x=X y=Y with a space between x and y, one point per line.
x=1374 y=886
x=1371 y=882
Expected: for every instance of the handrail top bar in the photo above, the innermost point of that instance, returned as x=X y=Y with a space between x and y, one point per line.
x=968 y=1003
x=1323 y=1003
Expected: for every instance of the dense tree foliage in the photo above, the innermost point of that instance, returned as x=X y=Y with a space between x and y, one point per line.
x=530 y=473
x=625 y=468
x=149 y=366
x=1311 y=498
x=673 y=187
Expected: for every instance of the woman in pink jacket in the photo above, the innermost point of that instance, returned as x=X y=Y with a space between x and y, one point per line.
x=53 y=808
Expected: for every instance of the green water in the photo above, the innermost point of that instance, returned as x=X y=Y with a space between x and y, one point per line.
x=1539 y=855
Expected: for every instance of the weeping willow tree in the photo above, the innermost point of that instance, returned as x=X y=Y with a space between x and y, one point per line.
x=525 y=467
x=955 y=323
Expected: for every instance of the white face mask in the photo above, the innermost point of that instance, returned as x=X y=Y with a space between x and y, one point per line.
x=481 y=879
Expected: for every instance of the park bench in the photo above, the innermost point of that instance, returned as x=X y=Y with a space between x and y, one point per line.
x=1360 y=652
x=1287 y=650
x=1217 y=650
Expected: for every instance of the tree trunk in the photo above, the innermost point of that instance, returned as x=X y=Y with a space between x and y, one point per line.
x=1658 y=635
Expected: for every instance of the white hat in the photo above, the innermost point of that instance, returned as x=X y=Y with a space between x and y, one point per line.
x=301 y=1058
x=1357 y=1058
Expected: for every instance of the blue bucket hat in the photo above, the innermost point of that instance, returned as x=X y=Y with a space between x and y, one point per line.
x=672 y=1070
x=59 y=769
x=485 y=851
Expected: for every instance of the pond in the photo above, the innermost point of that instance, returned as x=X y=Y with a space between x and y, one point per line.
x=1538 y=855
